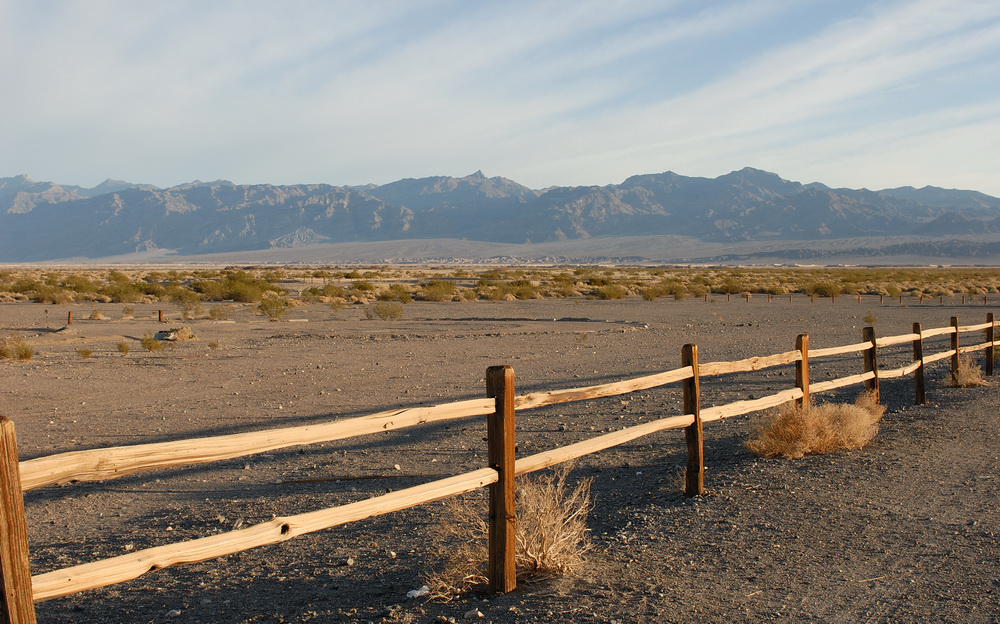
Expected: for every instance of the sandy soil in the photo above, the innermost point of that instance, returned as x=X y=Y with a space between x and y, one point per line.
x=903 y=530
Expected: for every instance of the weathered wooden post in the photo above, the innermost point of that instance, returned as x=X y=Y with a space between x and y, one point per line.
x=920 y=396
x=990 y=333
x=802 y=370
x=881 y=299
x=500 y=438
x=17 y=606
x=694 y=477
x=69 y=318
x=161 y=316
x=871 y=361
x=954 y=347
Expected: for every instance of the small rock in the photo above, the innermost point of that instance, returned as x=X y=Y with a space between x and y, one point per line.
x=349 y=562
x=173 y=613
x=473 y=614
x=418 y=593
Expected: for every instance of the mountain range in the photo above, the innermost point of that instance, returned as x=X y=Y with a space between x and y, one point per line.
x=45 y=221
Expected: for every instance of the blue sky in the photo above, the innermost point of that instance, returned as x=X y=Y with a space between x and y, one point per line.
x=859 y=94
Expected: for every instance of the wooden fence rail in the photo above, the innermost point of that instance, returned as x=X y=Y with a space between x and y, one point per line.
x=500 y=406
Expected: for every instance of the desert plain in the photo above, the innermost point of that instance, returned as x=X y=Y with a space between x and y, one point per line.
x=903 y=530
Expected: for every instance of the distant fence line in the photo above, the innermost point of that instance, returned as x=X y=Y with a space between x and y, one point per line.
x=21 y=590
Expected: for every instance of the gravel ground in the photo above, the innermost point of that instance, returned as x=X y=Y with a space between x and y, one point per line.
x=903 y=530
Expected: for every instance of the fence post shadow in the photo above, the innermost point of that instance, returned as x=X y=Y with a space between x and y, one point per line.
x=802 y=370
x=990 y=337
x=920 y=393
x=871 y=362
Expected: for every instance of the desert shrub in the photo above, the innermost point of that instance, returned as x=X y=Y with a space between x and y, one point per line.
x=51 y=294
x=437 y=290
x=600 y=280
x=384 y=310
x=793 y=432
x=968 y=374
x=219 y=313
x=84 y=353
x=613 y=291
x=363 y=285
x=550 y=534
x=273 y=307
x=869 y=318
x=79 y=284
x=128 y=312
x=823 y=289
x=893 y=290
x=242 y=287
x=213 y=345
x=732 y=286
x=210 y=290
x=123 y=348
x=150 y=343
x=118 y=292
x=95 y=315
x=396 y=292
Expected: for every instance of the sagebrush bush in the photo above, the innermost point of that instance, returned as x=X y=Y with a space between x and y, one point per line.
x=84 y=353
x=123 y=348
x=150 y=343
x=551 y=534
x=793 y=432
x=273 y=307
x=219 y=313
x=384 y=310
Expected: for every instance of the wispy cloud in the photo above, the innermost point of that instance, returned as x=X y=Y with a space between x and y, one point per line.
x=546 y=93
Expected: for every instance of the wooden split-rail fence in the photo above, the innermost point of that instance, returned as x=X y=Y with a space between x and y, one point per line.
x=21 y=590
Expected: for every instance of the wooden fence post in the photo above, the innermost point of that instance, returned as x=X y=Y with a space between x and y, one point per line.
x=694 y=477
x=990 y=334
x=161 y=316
x=69 y=318
x=500 y=438
x=954 y=347
x=17 y=606
x=920 y=395
x=871 y=361
x=802 y=370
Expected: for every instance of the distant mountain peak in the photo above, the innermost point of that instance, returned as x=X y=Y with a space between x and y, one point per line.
x=43 y=221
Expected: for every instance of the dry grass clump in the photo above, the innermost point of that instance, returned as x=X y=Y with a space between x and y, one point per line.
x=16 y=349
x=123 y=348
x=550 y=534
x=968 y=374
x=84 y=353
x=793 y=432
